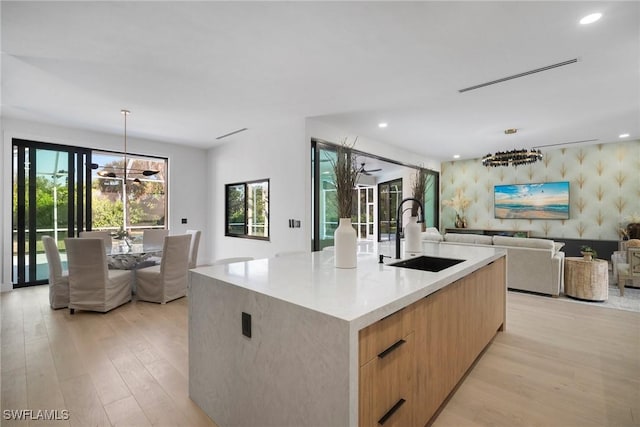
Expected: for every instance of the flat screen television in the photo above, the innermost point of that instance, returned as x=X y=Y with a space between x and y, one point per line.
x=545 y=200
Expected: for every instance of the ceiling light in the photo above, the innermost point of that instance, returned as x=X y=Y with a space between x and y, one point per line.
x=510 y=131
x=590 y=19
x=623 y=135
x=512 y=158
x=456 y=156
x=382 y=125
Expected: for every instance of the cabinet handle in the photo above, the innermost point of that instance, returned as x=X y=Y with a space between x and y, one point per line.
x=390 y=349
x=391 y=411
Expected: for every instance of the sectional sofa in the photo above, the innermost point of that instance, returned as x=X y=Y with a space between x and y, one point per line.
x=534 y=265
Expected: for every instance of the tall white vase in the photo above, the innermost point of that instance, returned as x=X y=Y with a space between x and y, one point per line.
x=346 y=247
x=412 y=239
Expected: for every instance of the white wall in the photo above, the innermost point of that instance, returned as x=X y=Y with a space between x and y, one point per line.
x=188 y=183
x=279 y=153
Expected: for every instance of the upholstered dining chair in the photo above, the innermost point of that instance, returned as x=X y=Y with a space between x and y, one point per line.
x=104 y=235
x=629 y=270
x=154 y=236
x=58 y=279
x=167 y=281
x=193 y=247
x=92 y=286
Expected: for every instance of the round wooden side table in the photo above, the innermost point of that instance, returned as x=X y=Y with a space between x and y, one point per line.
x=586 y=280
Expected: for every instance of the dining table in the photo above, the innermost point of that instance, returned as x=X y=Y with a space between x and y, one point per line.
x=131 y=256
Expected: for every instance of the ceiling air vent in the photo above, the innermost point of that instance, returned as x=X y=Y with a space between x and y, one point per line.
x=231 y=133
x=517 y=76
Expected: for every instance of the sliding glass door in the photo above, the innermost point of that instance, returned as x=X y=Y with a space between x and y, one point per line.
x=389 y=197
x=376 y=197
x=49 y=198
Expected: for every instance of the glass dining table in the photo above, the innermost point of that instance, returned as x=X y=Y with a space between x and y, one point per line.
x=123 y=256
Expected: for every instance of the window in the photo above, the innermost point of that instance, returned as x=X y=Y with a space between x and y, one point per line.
x=247 y=209
x=139 y=204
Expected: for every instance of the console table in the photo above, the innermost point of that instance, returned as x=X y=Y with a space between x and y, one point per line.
x=487 y=232
x=586 y=280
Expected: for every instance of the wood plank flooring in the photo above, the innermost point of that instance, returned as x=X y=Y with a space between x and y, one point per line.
x=558 y=364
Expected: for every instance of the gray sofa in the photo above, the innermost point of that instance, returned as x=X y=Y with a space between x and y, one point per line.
x=534 y=265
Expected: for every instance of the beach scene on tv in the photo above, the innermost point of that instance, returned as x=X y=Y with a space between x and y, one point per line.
x=548 y=200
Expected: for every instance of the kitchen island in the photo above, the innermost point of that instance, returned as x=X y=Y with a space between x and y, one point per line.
x=293 y=341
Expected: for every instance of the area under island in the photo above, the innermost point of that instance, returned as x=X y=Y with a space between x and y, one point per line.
x=294 y=341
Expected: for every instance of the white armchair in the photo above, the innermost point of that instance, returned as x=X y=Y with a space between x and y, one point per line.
x=58 y=279
x=167 y=281
x=92 y=286
x=629 y=270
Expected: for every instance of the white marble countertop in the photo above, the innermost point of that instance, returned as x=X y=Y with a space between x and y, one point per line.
x=359 y=296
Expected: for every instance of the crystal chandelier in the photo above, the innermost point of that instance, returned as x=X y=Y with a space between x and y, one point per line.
x=512 y=158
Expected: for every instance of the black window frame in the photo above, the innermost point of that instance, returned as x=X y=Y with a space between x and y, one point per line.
x=245 y=234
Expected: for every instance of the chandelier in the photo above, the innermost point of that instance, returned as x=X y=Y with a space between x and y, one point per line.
x=512 y=158
x=109 y=171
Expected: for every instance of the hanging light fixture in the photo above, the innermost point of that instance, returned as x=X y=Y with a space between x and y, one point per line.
x=512 y=158
x=110 y=173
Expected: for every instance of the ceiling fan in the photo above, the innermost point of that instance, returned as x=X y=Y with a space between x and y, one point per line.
x=364 y=171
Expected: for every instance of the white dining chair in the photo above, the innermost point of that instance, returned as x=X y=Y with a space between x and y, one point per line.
x=154 y=236
x=104 y=235
x=193 y=247
x=232 y=260
x=58 y=279
x=167 y=281
x=92 y=286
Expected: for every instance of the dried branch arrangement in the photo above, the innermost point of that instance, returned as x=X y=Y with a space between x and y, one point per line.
x=346 y=171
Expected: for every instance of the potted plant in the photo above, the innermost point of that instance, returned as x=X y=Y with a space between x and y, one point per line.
x=346 y=171
x=459 y=203
x=588 y=252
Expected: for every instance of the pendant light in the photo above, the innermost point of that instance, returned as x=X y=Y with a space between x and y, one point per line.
x=110 y=173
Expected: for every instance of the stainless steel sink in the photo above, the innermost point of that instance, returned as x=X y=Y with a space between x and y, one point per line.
x=427 y=263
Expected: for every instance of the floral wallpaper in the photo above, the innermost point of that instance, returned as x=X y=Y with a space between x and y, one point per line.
x=604 y=190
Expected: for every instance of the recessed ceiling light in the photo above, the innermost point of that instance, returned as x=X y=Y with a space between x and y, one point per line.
x=590 y=19
x=623 y=135
x=456 y=156
x=382 y=125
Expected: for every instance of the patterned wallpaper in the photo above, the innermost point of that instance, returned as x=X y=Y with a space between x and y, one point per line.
x=604 y=189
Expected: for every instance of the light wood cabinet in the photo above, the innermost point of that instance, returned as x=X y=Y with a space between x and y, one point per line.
x=443 y=335
x=386 y=354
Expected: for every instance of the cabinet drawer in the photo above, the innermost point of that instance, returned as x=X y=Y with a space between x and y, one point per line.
x=386 y=391
x=383 y=334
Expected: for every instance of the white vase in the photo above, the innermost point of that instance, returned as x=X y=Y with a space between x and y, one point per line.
x=345 y=241
x=412 y=239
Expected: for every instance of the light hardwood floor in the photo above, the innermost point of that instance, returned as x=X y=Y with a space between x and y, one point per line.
x=558 y=364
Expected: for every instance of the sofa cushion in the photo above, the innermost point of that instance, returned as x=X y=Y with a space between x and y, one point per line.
x=476 y=239
x=523 y=242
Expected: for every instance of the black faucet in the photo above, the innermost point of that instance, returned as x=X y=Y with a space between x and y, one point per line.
x=399 y=220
